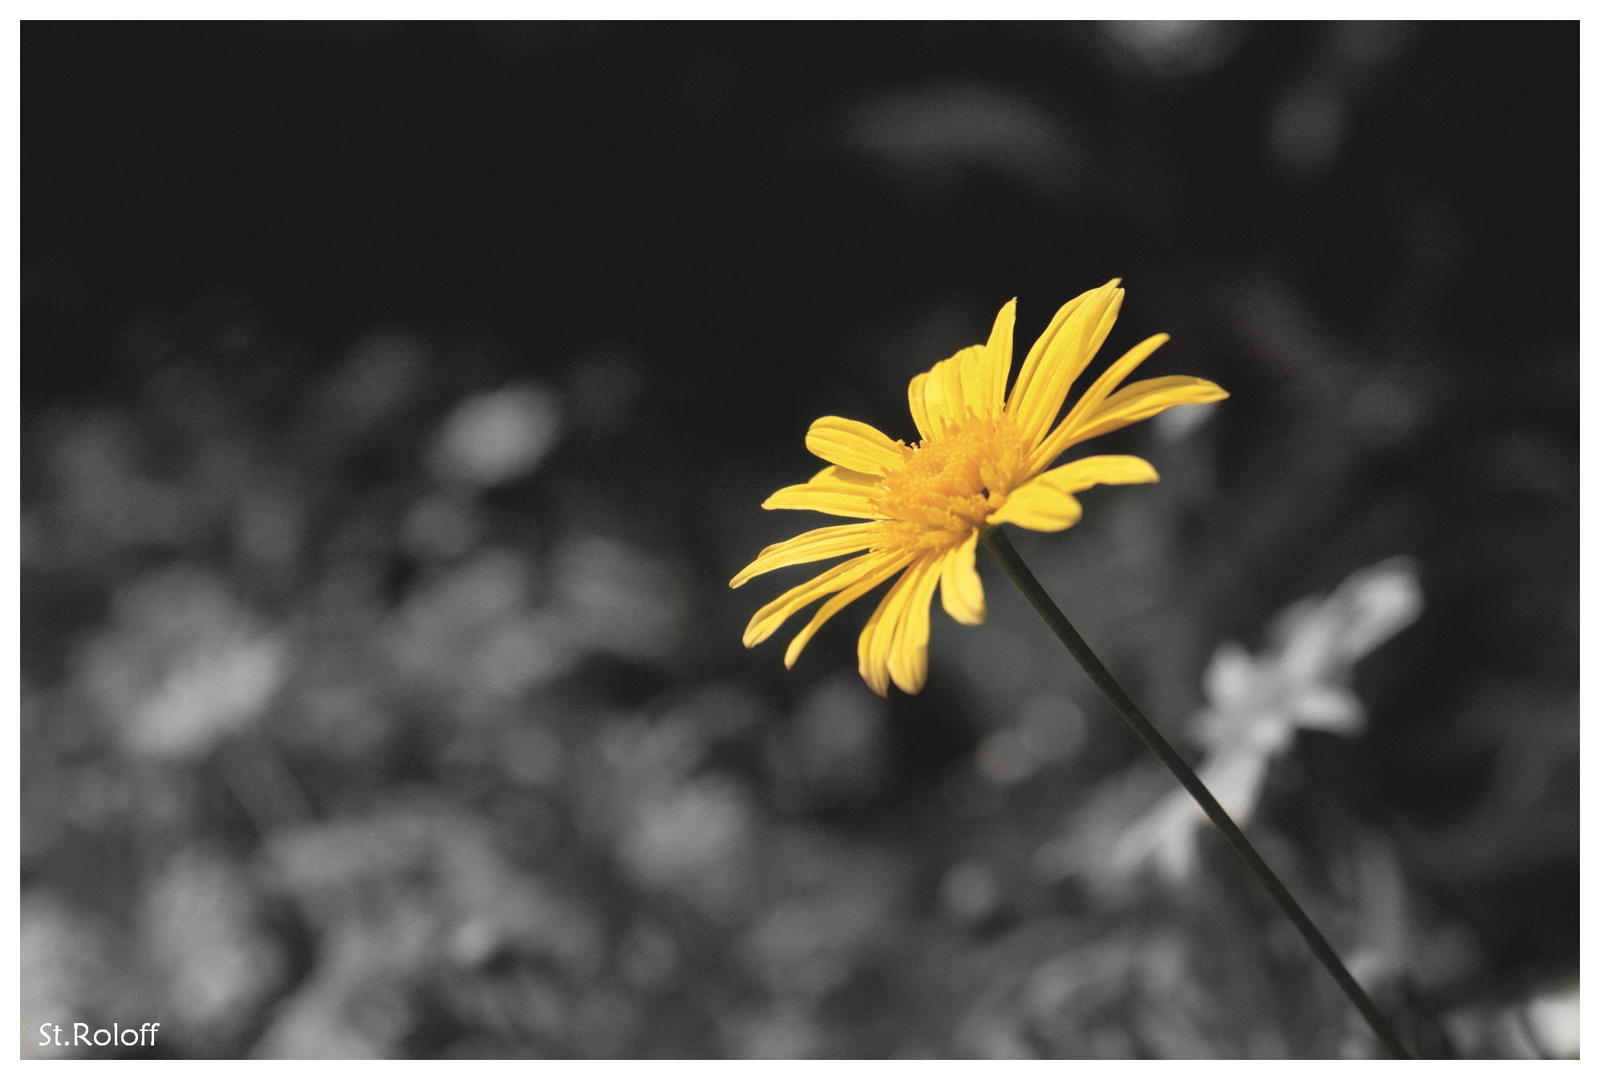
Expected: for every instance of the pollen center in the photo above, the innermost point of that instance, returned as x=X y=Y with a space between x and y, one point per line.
x=952 y=482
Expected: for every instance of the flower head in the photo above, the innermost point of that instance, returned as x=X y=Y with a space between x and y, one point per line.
x=984 y=459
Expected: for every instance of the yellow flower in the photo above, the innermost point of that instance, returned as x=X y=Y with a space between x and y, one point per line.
x=983 y=460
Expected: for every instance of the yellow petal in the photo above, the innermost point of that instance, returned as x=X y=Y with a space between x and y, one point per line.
x=823 y=500
x=973 y=380
x=837 y=491
x=1039 y=507
x=1030 y=365
x=1069 y=430
x=1062 y=358
x=855 y=445
x=998 y=361
x=1076 y=476
x=1143 y=400
x=972 y=368
x=871 y=659
x=960 y=588
x=1101 y=331
x=943 y=393
x=908 y=648
x=823 y=543
x=841 y=475
x=876 y=575
x=876 y=643
x=771 y=616
x=919 y=410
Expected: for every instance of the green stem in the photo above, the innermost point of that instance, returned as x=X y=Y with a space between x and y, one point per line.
x=999 y=546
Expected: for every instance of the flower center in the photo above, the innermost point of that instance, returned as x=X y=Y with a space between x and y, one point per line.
x=952 y=483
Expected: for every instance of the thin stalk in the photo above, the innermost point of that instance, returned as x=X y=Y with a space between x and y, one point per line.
x=999 y=546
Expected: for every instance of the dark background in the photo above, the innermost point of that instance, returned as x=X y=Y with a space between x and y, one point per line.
x=265 y=265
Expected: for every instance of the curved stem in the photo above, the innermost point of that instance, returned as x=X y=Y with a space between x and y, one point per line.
x=999 y=546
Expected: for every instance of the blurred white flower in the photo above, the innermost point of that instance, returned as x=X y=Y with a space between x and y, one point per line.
x=182 y=664
x=493 y=438
x=1257 y=703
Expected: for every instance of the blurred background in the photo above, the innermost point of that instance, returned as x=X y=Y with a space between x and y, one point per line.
x=398 y=400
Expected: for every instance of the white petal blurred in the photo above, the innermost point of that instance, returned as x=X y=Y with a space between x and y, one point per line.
x=1379 y=602
x=1327 y=708
x=1553 y=1018
x=1163 y=840
x=1235 y=779
x=1231 y=677
x=1310 y=650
